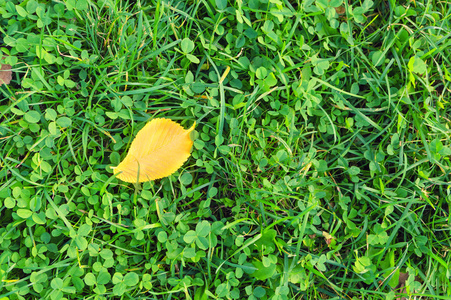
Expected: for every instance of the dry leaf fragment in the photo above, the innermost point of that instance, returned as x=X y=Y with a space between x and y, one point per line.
x=5 y=74
x=158 y=150
x=401 y=285
x=340 y=10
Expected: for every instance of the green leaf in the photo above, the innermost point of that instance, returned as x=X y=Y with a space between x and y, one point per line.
x=200 y=294
x=115 y=158
x=266 y=261
x=203 y=228
x=262 y=272
x=162 y=237
x=45 y=167
x=60 y=80
x=186 y=178
x=69 y=289
x=212 y=192
x=202 y=243
x=221 y=4
x=266 y=241
x=37 y=277
x=31 y=6
x=261 y=73
x=90 y=279
x=50 y=114
x=103 y=278
x=389 y=209
x=69 y=83
x=259 y=292
x=320 y=263
x=10 y=203
x=445 y=151
x=53 y=130
x=17 y=111
x=119 y=289
x=112 y=115
x=81 y=5
x=367 y=4
x=131 y=279
x=268 y=26
x=417 y=65
x=378 y=58
x=32 y=116
x=321 y=166
x=192 y=58
x=56 y=295
x=24 y=213
x=353 y=170
x=189 y=252
x=321 y=66
x=222 y=290
x=198 y=87
x=39 y=219
x=271 y=80
x=57 y=283
x=187 y=45
x=81 y=242
x=117 y=278
x=190 y=236
x=436 y=146
x=127 y=101
x=106 y=254
x=21 y=11
x=84 y=229
x=17 y=192
x=335 y=3
x=297 y=274
x=64 y=122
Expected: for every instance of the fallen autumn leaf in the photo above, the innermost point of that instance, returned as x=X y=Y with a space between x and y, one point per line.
x=158 y=150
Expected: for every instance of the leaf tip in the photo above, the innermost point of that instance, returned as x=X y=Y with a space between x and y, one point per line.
x=192 y=127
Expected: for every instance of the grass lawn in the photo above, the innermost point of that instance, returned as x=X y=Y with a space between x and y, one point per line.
x=320 y=167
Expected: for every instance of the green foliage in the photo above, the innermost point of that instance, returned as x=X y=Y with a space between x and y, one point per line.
x=320 y=167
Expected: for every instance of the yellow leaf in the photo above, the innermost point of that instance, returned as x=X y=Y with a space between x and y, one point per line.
x=158 y=150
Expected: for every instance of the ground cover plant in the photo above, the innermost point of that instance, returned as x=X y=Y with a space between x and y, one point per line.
x=320 y=164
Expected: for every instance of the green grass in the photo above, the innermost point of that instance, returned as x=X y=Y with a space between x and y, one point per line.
x=320 y=170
